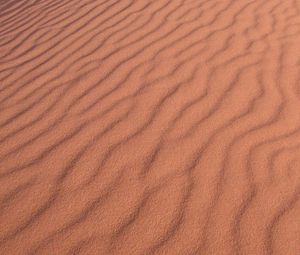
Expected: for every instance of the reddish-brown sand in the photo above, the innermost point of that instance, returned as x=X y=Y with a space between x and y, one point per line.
x=150 y=127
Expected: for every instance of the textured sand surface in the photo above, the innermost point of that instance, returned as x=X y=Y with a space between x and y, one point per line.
x=150 y=127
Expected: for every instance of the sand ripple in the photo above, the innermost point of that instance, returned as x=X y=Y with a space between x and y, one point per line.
x=150 y=127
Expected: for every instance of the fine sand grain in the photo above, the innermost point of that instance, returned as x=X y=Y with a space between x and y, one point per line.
x=150 y=127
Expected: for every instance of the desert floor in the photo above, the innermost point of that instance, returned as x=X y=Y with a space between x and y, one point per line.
x=150 y=127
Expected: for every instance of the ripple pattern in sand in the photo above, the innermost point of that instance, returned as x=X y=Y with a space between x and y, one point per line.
x=150 y=127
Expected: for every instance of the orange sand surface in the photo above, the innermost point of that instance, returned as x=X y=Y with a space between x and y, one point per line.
x=150 y=127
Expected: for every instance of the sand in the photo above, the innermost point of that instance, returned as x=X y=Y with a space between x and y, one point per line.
x=140 y=127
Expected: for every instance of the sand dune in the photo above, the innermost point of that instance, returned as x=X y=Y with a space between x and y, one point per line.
x=150 y=127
